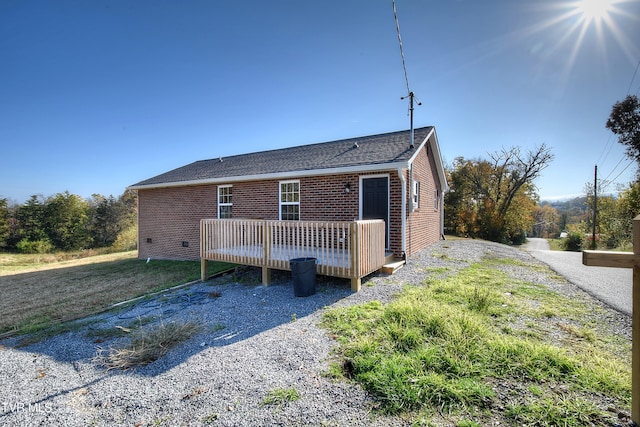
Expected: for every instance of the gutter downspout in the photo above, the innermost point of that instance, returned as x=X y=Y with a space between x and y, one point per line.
x=442 y=215
x=403 y=227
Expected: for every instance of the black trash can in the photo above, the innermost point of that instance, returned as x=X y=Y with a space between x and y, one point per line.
x=303 y=271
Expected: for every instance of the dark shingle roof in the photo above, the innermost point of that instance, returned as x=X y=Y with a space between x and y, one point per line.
x=367 y=150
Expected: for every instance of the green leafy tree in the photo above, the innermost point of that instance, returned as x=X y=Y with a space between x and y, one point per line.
x=4 y=223
x=111 y=218
x=30 y=217
x=629 y=202
x=28 y=232
x=610 y=231
x=614 y=217
x=624 y=121
x=494 y=199
x=67 y=219
x=618 y=227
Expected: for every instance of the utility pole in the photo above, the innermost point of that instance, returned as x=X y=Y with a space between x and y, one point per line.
x=595 y=206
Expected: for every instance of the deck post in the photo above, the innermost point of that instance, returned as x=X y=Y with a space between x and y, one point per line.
x=266 y=253
x=627 y=260
x=266 y=276
x=204 y=269
x=356 y=281
x=204 y=266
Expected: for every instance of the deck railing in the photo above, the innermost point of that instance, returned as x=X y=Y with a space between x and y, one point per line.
x=343 y=249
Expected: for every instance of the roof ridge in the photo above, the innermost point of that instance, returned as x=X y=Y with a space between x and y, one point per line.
x=380 y=149
x=366 y=137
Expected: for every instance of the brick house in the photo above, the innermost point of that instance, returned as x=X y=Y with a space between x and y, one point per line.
x=378 y=176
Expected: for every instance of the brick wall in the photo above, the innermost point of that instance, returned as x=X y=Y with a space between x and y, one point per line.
x=171 y=216
x=423 y=224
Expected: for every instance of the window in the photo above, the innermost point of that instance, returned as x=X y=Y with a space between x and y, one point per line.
x=225 y=201
x=290 y=200
x=436 y=200
x=416 y=194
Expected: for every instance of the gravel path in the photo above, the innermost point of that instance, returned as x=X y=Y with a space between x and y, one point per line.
x=256 y=340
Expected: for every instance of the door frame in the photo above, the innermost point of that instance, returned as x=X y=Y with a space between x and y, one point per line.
x=360 y=202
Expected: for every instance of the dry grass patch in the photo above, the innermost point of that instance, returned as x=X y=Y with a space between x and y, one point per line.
x=34 y=299
x=147 y=346
x=11 y=263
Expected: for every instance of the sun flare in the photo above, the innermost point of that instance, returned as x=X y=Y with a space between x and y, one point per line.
x=594 y=10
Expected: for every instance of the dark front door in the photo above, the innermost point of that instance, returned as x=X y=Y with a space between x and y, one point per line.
x=375 y=201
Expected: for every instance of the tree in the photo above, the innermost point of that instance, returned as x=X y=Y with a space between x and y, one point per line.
x=29 y=233
x=4 y=222
x=624 y=121
x=618 y=229
x=614 y=219
x=494 y=199
x=547 y=222
x=111 y=218
x=67 y=221
x=30 y=218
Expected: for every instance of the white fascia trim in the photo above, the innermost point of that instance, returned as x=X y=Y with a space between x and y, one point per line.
x=432 y=139
x=422 y=144
x=279 y=176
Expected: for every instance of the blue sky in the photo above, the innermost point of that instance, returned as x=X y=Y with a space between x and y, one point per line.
x=98 y=95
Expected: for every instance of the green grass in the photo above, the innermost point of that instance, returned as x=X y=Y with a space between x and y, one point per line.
x=555 y=244
x=42 y=294
x=281 y=396
x=443 y=348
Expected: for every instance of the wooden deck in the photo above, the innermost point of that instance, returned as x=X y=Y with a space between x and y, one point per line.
x=349 y=250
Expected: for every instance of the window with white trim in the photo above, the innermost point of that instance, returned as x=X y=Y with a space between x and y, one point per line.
x=290 y=200
x=436 y=200
x=416 y=194
x=225 y=201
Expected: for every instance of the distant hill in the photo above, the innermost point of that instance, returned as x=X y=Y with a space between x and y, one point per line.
x=571 y=211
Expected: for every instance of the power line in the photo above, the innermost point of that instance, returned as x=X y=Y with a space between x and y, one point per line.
x=622 y=171
x=608 y=145
x=615 y=167
x=633 y=78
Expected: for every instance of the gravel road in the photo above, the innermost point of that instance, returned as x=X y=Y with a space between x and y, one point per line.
x=255 y=340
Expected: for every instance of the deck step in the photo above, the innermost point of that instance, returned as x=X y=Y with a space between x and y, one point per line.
x=392 y=267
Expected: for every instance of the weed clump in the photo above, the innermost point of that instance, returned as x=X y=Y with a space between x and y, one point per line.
x=147 y=346
x=281 y=396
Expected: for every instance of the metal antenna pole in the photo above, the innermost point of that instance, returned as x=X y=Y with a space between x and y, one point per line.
x=411 y=96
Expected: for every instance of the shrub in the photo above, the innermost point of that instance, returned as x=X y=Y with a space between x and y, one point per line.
x=127 y=240
x=573 y=242
x=27 y=246
x=519 y=238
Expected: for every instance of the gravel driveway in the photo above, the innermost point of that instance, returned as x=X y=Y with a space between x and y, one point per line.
x=256 y=339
